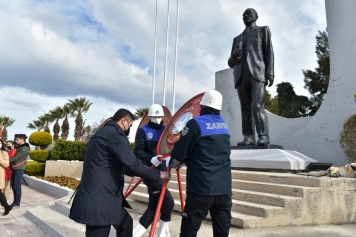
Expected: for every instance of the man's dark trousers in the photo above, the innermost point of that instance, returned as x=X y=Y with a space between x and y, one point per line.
x=124 y=229
x=154 y=191
x=196 y=209
x=252 y=95
x=16 y=185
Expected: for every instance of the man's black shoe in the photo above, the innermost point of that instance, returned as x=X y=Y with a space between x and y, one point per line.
x=7 y=210
x=14 y=205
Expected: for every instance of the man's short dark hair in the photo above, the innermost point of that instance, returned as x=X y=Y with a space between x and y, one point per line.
x=21 y=136
x=123 y=113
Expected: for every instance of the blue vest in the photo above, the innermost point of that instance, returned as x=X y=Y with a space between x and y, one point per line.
x=209 y=165
x=211 y=124
x=152 y=134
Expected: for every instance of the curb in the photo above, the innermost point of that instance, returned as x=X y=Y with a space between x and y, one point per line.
x=46 y=187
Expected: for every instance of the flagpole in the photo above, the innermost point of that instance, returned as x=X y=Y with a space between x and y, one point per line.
x=154 y=59
x=165 y=60
x=175 y=59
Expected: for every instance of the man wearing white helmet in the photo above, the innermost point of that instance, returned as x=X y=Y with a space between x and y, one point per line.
x=205 y=149
x=145 y=150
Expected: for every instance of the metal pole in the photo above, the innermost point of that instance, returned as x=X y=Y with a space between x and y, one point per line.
x=175 y=59
x=154 y=60
x=165 y=61
x=159 y=206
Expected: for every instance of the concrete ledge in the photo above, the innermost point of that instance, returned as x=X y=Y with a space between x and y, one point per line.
x=43 y=186
x=72 y=169
x=54 y=223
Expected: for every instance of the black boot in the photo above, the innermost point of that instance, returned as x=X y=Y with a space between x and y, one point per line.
x=8 y=208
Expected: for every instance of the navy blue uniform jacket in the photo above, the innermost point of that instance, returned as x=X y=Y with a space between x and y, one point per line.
x=205 y=149
x=99 y=199
x=146 y=143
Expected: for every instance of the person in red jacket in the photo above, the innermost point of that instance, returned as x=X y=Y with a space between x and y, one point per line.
x=10 y=145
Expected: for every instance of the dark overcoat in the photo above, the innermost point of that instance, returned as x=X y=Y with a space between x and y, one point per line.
x=99 y=199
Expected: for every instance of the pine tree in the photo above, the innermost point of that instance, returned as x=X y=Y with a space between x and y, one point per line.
x=271 y=103
x=291 y=105
x=317 y=82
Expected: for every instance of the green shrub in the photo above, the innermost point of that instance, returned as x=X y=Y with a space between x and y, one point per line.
x=132 y=146
x=34 y=168
x=40 y=138
x=69 y=150
x=40 y=155
x=348 y=138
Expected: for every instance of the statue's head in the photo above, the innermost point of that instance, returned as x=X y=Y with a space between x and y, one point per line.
x=249 y=16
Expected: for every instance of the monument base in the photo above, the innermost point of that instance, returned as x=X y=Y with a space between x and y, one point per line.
x=275 y=159
x=269 y=146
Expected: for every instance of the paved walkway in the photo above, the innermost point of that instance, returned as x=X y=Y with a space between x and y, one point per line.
x=16 y=224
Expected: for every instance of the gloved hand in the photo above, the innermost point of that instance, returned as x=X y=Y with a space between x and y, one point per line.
x=168 y=158
x=155 y=160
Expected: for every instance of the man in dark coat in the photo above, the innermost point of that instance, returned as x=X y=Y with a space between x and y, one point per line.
x=252 y=59
x=18 y=166
x=99 y=202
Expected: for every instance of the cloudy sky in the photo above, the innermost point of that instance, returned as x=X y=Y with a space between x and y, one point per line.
x=52 y=51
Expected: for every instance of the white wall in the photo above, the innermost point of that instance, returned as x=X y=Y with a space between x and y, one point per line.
x=318 y=136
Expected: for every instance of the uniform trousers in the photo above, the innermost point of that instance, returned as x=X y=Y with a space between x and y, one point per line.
x=154 y=190
x=196 y=209
x=123 y=229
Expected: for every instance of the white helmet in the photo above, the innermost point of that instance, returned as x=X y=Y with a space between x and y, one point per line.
x=155 y=110
x=212 y=98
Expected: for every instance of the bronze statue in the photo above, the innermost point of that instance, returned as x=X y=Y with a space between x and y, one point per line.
x=253 y=62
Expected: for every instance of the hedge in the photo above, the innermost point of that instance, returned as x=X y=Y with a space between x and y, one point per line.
x=40 y=138
x=69 y=150
x=40 y=155
x=34 y=168
x=348 y=138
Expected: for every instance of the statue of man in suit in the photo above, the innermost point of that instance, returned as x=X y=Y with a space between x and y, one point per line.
x=253 y=62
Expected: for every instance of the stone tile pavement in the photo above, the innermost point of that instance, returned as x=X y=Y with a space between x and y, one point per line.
x=16 y=224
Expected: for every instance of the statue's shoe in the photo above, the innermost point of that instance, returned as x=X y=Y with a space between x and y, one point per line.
x=245 y=143
x=263 y=141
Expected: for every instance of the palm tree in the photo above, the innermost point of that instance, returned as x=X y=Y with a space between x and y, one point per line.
x=140 y=113
x=6 y=122
x=67 y=111
x=46 y=119
x=56 y=115
x=36 y=124
x=86 y=133
x=79 y=105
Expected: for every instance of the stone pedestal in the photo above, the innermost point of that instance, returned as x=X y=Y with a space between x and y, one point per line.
x=275 y=159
